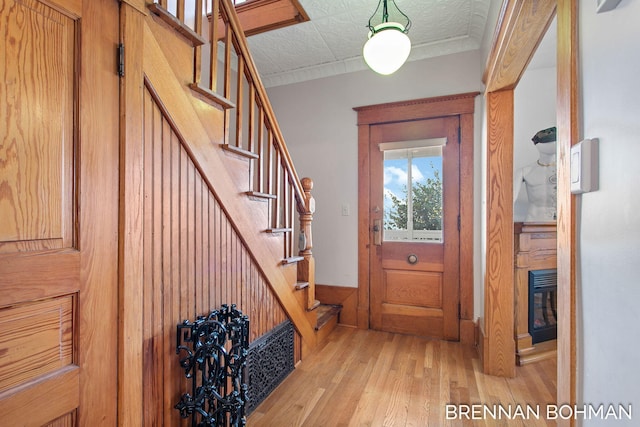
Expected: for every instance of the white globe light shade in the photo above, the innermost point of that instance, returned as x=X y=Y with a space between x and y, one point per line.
x=387 y=49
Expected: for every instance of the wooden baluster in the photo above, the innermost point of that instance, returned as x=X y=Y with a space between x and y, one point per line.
x=180 y=10
x=251 y=130
x=277 y=203
x=213 y=45
x=228 y=45
x=162 y=3
x=251 y=116
x=307 y=267
x=260 y=162
x=239 y=100
x=197 y=27
x=286 y=192
x=268 y=164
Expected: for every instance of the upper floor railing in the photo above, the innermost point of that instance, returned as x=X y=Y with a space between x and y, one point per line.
x=224 y=73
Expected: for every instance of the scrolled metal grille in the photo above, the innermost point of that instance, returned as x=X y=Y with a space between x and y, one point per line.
x=213 y=353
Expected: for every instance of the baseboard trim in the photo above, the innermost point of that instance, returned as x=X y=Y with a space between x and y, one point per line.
x=481 y=341
x=468 y=334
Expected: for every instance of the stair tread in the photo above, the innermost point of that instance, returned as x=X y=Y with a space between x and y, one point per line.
x=292 y=260
x=240 y=151
x=211 y=97
x=194 y=38
x=260 y=195
x=302 y=285
x=325 y=313
x=279 y=231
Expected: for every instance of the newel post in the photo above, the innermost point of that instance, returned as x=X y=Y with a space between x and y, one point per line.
x=307 y=267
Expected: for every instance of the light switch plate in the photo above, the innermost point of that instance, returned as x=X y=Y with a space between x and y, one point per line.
x=606 y=5
x=584 y=166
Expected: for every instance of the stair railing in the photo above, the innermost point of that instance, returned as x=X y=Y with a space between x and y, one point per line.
x=225 y=74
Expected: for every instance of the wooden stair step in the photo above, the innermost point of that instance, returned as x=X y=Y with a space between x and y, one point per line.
x=240 y=151
x=194 y=38
x=260 y=196
x=302 y=285
x=279 y=231
x=292 y=260
x=315 y=305
x=326 y=313
x=211 y=97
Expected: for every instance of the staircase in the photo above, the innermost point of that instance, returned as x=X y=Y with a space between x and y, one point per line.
x=212 y=209
x=254 y=155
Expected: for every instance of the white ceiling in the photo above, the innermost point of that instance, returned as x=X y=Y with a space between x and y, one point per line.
x=331 y=42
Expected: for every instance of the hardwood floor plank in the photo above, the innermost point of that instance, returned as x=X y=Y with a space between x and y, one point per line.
x=369 y=378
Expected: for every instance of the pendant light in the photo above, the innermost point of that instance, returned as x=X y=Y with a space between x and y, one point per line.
x=388 y=46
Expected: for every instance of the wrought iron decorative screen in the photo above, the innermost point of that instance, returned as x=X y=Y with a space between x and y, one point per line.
x=213 y=352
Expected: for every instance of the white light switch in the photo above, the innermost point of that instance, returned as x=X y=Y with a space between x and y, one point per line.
x=606 y=5
x=346 y=209
x=584 y=166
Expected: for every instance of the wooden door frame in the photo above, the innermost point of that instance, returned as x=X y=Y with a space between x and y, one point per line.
x=520 y=28
x=462 y=105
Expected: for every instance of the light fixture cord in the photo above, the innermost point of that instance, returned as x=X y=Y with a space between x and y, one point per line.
x=385 y=11
x=385 y=16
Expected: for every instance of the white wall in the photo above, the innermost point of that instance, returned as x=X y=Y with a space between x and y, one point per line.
x=319 y=126
x=609 y=219
x=534 y=107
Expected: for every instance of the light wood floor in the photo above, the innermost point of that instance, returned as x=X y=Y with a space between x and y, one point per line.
x=369 y=378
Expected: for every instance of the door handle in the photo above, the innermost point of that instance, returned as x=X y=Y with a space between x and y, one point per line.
x=377 y=232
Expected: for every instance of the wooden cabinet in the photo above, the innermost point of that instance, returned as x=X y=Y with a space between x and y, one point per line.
x=534 y=249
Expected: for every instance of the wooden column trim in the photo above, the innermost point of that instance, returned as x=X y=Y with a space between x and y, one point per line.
x=520 y=32
x=499 y=349
x=130 y=387
x=364 y=219
x=467 y=325
x=521 y=26
x=567 y=125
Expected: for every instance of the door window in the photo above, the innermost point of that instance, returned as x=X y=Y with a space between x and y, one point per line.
x=413 y=191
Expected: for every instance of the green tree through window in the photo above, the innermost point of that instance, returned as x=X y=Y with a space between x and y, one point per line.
x=413 y=186
x=427 y=206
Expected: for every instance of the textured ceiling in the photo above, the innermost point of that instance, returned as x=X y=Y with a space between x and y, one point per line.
x=331 y=42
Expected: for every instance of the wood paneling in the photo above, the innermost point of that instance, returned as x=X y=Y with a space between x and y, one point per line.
x=193 y=262
x=499 y=348
x=67 y=420
x=413 y=288
x=35 y=339
x=59 y=211
x=60 y=389
x=37 y=111
x=200 y=127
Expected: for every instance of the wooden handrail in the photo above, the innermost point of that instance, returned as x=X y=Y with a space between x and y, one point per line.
x=238 y=34
x=249 y=119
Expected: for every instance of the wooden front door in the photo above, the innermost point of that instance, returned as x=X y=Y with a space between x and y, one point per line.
x=58 y=212
x=414 y=210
